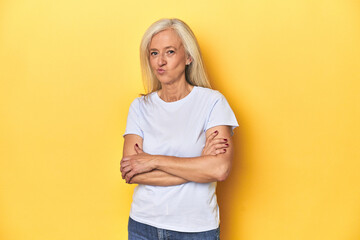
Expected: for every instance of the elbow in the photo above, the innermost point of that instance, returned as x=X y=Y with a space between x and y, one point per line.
x=223 y=176
x=223 y=172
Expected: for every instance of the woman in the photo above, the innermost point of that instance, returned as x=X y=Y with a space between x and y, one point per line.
x=177 y=142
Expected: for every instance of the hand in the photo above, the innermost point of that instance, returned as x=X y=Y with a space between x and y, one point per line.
x=215 y=146
x=139 y=163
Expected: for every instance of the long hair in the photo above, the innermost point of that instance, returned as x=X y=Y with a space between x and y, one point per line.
x=194 y=72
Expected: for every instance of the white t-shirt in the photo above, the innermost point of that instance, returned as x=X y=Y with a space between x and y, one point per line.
x=178 y=129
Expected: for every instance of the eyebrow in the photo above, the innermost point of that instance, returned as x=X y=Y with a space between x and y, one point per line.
x=154 y=49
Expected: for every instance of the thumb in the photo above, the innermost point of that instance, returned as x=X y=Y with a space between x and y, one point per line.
x=138 y=149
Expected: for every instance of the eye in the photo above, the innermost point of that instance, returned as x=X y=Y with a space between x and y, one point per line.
x=170 y=51
x=153 y=53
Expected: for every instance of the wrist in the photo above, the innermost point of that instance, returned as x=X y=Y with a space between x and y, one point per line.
x=156 y=161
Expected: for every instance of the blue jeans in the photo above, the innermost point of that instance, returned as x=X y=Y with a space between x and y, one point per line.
x=140 y=231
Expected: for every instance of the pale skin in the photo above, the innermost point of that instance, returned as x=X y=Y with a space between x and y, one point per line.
x=168 y=60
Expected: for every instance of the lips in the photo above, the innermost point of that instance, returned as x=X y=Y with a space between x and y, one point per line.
x=160 y=70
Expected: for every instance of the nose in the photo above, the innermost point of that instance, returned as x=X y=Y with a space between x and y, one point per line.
x=161 y=60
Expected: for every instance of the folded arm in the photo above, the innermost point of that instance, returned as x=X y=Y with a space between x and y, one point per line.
x=213 y=165
x=154 y=177
x=157 y=178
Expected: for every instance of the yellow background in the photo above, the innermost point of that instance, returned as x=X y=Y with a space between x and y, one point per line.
x=290 y=69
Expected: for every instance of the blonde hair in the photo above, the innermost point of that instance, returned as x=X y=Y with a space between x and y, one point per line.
x=195 y=72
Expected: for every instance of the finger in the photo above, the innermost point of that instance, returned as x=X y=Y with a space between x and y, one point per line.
x=213 y=153
x=124 y=166
x=138 y=149
x=220 y=151
x=125 y=171
x=124 y=163
x=219 y=148
x=221 y=145
x=216 y=141
x=219 y=140
x=124 y=160
x=212 y=135
x=129 y=176
x=123 y=174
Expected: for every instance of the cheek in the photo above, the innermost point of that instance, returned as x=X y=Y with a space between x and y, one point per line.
x=152 y=64
x=180 y=66
x=180 y=63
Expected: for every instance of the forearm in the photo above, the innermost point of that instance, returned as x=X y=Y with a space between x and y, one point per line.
x=157 y=178
x=201 y=169
x=144 y=168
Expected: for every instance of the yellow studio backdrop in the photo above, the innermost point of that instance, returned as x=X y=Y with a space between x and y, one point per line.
x=290 y=70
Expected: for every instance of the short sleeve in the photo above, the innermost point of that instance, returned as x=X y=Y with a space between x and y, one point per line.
x=133 y=119
x=221 y=114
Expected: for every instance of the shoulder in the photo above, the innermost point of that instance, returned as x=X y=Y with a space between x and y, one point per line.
x=209 y=93
x=136 y=101
x=144 y=98
x=143 y=101
x=135 y=104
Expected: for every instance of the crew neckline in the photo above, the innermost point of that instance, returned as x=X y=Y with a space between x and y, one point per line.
x=178 y=101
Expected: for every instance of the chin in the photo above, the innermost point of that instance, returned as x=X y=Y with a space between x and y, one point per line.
x=163 y=80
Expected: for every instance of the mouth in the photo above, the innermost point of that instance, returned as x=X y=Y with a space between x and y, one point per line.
x=160 y=70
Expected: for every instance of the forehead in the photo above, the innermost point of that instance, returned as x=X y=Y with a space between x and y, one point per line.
x=165 y=39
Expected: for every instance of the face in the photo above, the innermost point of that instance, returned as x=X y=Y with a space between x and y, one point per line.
x=167 y=57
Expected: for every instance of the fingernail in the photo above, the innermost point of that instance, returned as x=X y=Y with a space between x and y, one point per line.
x=216 y=131
x=137 y=145
x=225 y=139
x=224 y=150
x=226 y=144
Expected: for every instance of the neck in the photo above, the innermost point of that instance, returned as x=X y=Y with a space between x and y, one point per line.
x=175 y=91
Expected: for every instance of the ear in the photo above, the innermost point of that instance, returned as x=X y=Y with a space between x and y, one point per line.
x=188 y=60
